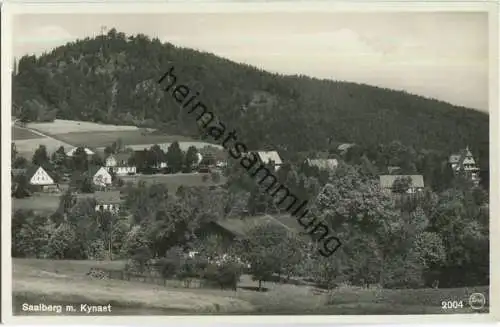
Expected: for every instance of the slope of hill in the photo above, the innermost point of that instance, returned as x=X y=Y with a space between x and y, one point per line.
x=112 y=79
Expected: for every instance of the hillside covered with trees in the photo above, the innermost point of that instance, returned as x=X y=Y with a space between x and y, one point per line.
x=113 y=79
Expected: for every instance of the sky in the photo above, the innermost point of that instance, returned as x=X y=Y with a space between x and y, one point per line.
x=436 y=55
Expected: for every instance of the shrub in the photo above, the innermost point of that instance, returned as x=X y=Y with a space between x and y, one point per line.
x=215 y=177
x=225 y=275
x=168 y=267
x=188 y=271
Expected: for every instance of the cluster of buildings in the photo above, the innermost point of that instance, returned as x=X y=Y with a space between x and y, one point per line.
x=42 y=180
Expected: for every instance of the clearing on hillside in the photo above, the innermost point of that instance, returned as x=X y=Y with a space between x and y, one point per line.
x=26 y=148
x=61 y=126
x=19 y=133
x=102 y=139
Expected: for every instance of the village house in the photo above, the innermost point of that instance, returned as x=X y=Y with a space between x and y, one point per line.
x=229 y=230
x=266 y=157
x=393 y=170
x=107 y=201
x=118 y=164
x=100 y=176
x=212 y=157
x=38 y=178
x=464 y=161
x=323 y=164
x=416 y=182
x=343 y=148
x=71 y=152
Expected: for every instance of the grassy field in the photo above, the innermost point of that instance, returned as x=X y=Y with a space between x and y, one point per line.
x=79 y=133
x=40 y=203
x=173 y=181
x=23 y=134
x=68 y=133
x=60 y=126
x=64 y=282
x=28 y=141
x=101 y=139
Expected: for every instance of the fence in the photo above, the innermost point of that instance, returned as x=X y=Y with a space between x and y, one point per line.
x=150 y=277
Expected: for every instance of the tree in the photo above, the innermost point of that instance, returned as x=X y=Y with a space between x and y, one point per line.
x=20 y=163
x=40 y=157
x=155 y=156
x=294 y=252
x=465 y=236
x=21 y=187
x=96 y=160
x=175 y=157
x=13 y=152
x=82 y=182
x=80 y=159
x=30 y=233
x=401 y=185
x=117 y=146
x=108 y=151
x=59 y=157
x=262 y=249
x=363 y=217
x=191 y=159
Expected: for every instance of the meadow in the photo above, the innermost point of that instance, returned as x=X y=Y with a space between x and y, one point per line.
x=61 y=126
x=19 y=133
x=173 y=181
x=43 y=203
x=102 y=139
x=65 y=282
x=69 y=133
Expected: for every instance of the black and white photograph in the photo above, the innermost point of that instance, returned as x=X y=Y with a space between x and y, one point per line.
x=250 y=163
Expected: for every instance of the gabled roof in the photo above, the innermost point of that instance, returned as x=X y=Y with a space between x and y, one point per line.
x=241 y=226
x=72 y=151
x=119 y=157
x=387 y=181
x=327 y=164
x=345 y=146
x=268 y=156
x=454 y=159
x=32 y=169
x=459 y=158
x=393 y=169
x=94 y=169
x=107 y=197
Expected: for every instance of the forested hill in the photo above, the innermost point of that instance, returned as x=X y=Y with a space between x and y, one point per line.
x=112 y=79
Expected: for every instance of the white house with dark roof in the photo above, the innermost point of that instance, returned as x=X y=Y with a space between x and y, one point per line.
x=118 y=163
x=464 y=161
x=342 y=148
x=107 y=201
x=324 y=164
x=416 y=182
x=266 y=157
x=100 y=176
